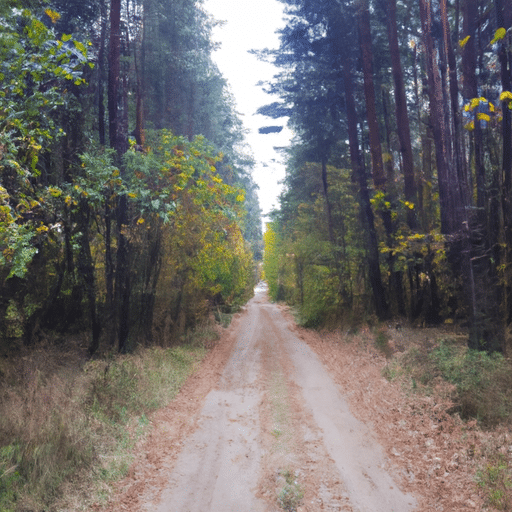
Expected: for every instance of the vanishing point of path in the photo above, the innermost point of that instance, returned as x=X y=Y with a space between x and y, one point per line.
x=271 y=425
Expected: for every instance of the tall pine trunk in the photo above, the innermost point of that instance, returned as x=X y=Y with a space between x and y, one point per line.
x=378 y=292
x=402 y=116
x=117 y=141
x=504 y=182
x=448 y=187
x=379 y=176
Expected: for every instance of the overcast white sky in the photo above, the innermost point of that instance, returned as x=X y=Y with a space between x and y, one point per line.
x=251 y=24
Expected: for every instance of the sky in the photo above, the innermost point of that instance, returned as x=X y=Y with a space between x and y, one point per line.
x=251 y=24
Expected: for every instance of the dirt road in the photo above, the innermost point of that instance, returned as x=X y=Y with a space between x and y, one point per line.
x=265 y=431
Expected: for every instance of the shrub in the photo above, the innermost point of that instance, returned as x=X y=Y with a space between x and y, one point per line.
x=482 y=381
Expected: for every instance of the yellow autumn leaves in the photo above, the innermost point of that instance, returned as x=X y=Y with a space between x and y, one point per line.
x=484 y=104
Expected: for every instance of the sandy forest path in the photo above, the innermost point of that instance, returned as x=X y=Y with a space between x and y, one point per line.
x=274 y=384
x=259 y=425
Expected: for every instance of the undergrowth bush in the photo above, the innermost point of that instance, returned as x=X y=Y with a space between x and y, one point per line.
x=482 y=381
x=53 y=427
x=382 y=342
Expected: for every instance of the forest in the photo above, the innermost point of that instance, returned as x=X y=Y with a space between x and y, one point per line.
x=127 y=206
x=130 y=228
x=396 y=201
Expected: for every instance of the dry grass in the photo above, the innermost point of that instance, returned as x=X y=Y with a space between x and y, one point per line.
x=64 y=428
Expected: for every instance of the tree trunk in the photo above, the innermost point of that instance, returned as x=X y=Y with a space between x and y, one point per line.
x=86 y=269
x=379 y=177
x=110 y=317
x=365 y=38
x=118 y=142
x=470 y=90
x=325 y=188
x=114 y=73
x=101 y=75
x=379 y=296
x=448 y=189
x=402 y=117
x=504 y=182
x=458 y=138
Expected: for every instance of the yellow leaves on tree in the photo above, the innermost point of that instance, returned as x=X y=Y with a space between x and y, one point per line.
x=271 y=259
x=177 y=188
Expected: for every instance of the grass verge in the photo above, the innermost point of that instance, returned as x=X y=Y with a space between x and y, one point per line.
x=289 y=491
x=61 y=435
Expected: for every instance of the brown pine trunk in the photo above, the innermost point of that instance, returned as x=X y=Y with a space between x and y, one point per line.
x=379 y=296
x=117 y=141
x=504 y=180
x=458 y=137
x=470 y=90
x=365 y=37
x=114 y=71
x=101 y=75
x=402 y=117
x=379 y=176
x=448 y=201
x=138 y=62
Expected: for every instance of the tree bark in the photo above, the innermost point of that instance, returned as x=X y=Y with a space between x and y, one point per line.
x=378 y=292
x=449 y=204
x=379 y=176
x=114 y=72
x=458 y=144
x=470 y=90
x=365 y=38
x=402 y=117
x=504 y=181
x=118 y=142
x=101 y=75
x=86 y=269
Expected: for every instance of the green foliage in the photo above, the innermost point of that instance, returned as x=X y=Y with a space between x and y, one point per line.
x=482 y=382
x=37 y=70
x=135 y=385
x=179 y=205
x=190 y=211
x=381 y=342
x=495 y=479
x=10 y=478
x=306 y=269
x=271 y=261
x=14 y=321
